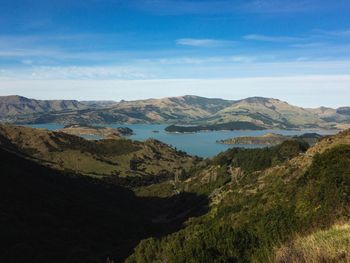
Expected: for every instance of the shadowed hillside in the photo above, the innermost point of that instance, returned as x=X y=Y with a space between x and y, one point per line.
x=50 y=216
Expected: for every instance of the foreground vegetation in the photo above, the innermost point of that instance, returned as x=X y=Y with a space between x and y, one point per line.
x=330 y=245
x=276 y=204
x=260 y=212
x=53 y=216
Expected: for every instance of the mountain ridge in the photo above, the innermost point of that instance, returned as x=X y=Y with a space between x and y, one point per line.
x=17 y=105
x=189 y=109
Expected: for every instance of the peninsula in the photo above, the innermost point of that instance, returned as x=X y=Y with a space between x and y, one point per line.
x=271 y=139
x=99 y=131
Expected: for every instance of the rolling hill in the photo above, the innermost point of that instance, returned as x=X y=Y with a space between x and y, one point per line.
x=109 y=159
x=266 y=112
x=17 y=105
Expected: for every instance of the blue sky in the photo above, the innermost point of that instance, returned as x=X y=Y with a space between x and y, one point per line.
x=132 y=49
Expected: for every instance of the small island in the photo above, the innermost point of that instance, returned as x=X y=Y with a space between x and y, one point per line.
x=271 y=139
x=229 y=126
x=97 y=131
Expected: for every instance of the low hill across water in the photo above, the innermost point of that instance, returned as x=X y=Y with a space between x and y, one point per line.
x=271 y=139
x=231 y=126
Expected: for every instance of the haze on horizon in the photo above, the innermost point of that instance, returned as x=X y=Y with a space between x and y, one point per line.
x=296 y=51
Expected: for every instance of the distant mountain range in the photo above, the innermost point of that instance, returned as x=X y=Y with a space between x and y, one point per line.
x=265 y=112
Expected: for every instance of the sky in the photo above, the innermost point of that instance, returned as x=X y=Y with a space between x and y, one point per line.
x=297 y=51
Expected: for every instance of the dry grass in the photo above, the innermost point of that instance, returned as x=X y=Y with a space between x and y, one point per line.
x=325 y=246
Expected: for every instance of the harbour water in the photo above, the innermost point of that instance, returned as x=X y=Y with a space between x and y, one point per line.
x=202 y=144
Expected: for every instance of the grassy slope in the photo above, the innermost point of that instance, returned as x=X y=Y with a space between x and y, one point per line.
x=47 y=216
x=185 y=109
x=330 y=245
x=51 y=216
x=95 y=158
x=264 y=201
x=16 y=105
x=252 y=215
x=266 y=111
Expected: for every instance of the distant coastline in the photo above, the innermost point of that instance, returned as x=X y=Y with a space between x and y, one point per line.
x=271 y=139
x=230 y=126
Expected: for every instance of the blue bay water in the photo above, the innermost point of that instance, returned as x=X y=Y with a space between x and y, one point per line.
x=202 y=144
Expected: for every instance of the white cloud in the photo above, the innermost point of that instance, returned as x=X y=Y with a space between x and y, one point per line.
x=309 y=45
x=265 y=38
x=27 y=61
x=345 y=33
x=337 y=33
x=202 y=67
x=198 y=60
x=76 y=72
x=243 y=59
x=197 y=42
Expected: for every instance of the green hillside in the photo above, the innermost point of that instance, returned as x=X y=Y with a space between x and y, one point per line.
x=329 y=245
x=104 y=158
x=61 y=203
x=257 y=210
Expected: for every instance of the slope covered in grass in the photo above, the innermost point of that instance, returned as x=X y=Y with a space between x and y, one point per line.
x=104 y=158
x=235 y=164
x=51 y=216
x=330 y=245
x=249 y=217
x=259 y=199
